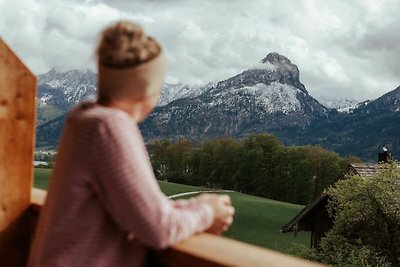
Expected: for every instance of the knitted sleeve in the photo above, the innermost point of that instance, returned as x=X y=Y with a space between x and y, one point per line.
x=126 y=187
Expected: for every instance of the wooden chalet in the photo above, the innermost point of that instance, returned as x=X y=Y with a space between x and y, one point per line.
x=315 y=216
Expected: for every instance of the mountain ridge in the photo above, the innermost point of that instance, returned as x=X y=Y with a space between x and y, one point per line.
x=266 y=98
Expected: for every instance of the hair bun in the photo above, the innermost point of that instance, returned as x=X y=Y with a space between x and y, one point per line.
x=125 y=44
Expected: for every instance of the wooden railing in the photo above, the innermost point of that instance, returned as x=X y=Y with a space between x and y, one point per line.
x=208 y=250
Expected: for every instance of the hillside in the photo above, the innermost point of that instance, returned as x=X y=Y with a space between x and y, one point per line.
x=257 y=220
x=361 y=133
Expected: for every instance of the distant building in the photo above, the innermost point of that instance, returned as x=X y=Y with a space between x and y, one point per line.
x=315 y=216
x=40 y=163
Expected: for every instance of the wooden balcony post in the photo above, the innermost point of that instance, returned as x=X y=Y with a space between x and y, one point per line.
x=17 y=133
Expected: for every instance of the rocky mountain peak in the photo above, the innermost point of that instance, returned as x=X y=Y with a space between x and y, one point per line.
x=284 y=70
x=276 y=59
x=274 y=68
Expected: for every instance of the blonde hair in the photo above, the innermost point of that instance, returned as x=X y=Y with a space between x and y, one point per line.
x=125 y=44
x=130 y=63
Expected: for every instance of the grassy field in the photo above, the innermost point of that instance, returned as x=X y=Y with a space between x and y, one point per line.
x=172 y=188
x=41 y=178
x=257 y=220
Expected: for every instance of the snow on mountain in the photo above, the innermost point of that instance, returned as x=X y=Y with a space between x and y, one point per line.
x=266 y=98
x=274 y=87
x=171 y=92
x=275 y=97
x=260 y=99
x=389 y=102
x=272 y=84
x=73 y=85
x=340 y=104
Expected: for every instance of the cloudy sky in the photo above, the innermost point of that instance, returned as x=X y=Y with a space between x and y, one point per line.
x=343 y=48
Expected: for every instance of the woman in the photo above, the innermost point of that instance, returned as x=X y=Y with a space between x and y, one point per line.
x=104 y=206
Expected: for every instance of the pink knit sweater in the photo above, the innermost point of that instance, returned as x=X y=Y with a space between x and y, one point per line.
x=104 y=206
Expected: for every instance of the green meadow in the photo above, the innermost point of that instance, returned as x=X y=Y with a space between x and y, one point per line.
x=42 y=176
x=257 y=220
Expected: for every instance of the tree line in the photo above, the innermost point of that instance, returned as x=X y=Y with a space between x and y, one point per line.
x=258 y=165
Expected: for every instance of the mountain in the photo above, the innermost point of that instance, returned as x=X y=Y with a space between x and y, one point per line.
x=389 y=102
x=362 y=132
x=49 y=132
x=75 y=84
x=263 y=99
x=171 y=92
x=267 y=98
x=59 y=91
x=342 y=104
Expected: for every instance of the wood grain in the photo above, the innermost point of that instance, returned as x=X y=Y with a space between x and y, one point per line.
x=210 y=250
x=17 y=126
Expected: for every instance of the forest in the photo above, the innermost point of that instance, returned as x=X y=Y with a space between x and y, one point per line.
x=257 y=164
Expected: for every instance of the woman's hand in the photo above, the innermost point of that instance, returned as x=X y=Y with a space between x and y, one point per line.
x=223 y=211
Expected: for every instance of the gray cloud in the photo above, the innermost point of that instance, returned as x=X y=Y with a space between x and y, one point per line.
x=342 y=48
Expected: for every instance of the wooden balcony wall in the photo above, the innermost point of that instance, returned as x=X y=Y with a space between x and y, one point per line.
x=17 y=120
x=20 y=205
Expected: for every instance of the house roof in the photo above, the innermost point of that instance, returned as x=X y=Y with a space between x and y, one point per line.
x=293 y=224
x=362 y=169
